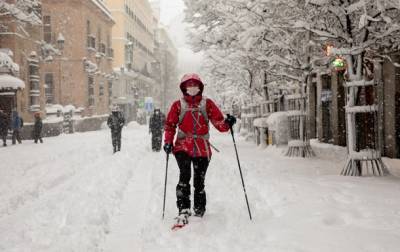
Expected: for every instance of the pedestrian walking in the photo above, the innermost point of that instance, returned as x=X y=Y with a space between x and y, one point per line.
x=156 y=127
x=189 y=117
x=4 y=126
x=37 y=128
x=116 y=121
x=16 y=125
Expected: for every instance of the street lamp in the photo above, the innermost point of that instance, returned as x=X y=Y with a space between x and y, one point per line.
x=60 y=41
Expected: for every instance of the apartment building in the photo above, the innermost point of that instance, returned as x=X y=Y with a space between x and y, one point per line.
x=80 y=73
x=133 y=43
x=19 y=66
x=167 y=57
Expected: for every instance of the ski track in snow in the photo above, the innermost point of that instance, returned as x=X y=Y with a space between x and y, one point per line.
x=72 y=194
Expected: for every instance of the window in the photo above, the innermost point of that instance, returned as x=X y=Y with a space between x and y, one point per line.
x=91 y=39
x=101 y=88
x=102 y=48
x=49 y=88
x=47 y=29
x=90 y=90
x=108 y=41
x=99 y=39
x=88 y=27
x=110 y=85
x=109 y=50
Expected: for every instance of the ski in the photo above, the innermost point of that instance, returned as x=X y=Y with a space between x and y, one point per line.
x=181 y=220
x=177 y=226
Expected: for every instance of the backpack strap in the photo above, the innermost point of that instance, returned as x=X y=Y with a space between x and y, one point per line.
x=202 y=109
x=183 y=110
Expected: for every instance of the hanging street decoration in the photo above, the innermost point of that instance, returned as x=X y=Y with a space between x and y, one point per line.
x=339 y=64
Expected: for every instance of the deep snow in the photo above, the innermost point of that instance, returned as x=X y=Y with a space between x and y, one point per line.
x=72 y=194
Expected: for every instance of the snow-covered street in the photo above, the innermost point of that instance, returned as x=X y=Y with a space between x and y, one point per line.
x=72 y=194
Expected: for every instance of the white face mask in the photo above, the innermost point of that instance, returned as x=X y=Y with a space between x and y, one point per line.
x=192 y=91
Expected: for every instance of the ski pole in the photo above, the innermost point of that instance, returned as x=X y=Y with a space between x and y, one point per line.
x=212 y=146
x=240 y=170
x=165 y=185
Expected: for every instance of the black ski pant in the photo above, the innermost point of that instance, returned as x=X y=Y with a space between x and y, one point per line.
x=116 y=140
x=3 y=133
x=200 y=165
x=37 y=136
x=156 y=139
x=16 y=136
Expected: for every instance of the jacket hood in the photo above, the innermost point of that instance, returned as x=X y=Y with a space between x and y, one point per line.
x=191 y=76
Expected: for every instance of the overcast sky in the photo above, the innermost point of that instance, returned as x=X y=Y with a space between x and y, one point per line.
x=170 y=9
x=172 y=16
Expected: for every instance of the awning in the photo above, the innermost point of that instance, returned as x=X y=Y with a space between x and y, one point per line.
x=10 y=82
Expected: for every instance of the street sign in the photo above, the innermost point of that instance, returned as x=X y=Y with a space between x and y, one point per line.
x=148 y=104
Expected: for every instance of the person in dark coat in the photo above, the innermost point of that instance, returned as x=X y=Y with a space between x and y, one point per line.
x=4 y=126
x=156 y=127
x=116 y=121
x=16 y=125
x=37 y=128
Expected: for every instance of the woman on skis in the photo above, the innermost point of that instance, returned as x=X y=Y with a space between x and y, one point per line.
x=189 y=117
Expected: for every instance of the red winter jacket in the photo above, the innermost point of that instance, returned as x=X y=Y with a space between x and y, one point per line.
x=195 y=147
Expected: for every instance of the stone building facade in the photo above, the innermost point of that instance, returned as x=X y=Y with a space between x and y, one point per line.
x=24 y=48
x=167 y=59
x=135 y=61
x=326 y=101
x=81 y=72
x=390 y=123
x=133 y=43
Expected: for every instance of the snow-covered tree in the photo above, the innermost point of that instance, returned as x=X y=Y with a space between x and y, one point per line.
x=362 y=32
x=15 y=14
x=259 y=33
x=246 y=40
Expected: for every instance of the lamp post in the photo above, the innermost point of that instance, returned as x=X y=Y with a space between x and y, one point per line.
x=60 y=41
x=60 y=46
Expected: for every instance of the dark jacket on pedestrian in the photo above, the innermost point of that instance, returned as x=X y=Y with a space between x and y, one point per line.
x=16 y=122
x=157 y=121
x=37 y=127
x=4 y=122
x=116 y=121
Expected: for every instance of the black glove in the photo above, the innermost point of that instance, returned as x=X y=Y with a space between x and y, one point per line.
x=168 y=148
x=230 y=120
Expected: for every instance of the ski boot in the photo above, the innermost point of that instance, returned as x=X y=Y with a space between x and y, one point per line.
x=199 y=212
x=182 y=219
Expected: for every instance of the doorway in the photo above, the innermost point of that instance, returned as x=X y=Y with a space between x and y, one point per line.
x=7 y=101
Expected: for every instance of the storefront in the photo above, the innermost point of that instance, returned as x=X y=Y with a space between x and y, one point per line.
x=9 y=86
